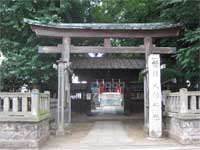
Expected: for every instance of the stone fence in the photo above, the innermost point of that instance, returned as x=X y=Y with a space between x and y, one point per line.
x=24 y=118
x=182 y=111
x=24 y=105
x=184 y=101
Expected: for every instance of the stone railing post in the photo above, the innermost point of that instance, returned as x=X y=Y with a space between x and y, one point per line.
x=183 y=100
x=6 y=104
x=47 y=102
x=24 y=104
x=35 y=96
x=165 y=102
x=193 y=104
x=15 y=104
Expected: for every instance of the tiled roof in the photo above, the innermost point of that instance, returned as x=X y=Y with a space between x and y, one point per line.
x=107 y=63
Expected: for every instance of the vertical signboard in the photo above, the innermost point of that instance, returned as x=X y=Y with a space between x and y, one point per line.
x=155 y=112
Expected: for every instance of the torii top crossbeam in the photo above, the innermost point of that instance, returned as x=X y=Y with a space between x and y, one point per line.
x=106 y=30
x=124 y=30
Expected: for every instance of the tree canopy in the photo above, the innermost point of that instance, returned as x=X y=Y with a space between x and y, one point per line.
x=19 y=44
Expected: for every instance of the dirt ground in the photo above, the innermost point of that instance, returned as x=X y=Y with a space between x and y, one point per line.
x=135 y=130
x=79 y=131
x=74 y=134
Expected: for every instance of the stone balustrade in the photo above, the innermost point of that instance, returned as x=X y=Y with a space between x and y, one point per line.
x=182 y=115
x=184 y=101
x=24 y=119
x=24 y=105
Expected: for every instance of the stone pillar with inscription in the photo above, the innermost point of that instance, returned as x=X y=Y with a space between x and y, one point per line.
x=155 y=104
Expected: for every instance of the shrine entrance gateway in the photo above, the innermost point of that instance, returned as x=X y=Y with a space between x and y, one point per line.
x=146 y=31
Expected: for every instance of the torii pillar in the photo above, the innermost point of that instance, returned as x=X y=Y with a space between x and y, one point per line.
x=64 y=88
x=147 y=46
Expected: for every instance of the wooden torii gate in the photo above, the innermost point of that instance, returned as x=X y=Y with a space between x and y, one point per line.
x=66 y=31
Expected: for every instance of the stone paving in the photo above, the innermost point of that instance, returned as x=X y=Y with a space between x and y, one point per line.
x=111 y=134
x=107 y=132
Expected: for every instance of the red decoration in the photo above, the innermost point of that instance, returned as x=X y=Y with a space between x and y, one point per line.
x=101 y=89
x=118 y=89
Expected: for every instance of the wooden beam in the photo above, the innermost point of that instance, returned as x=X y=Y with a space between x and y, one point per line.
x=107 y=42
x=87 y=33
x=163 y=50
x=66 y=49
x=50 y=49
x=148 y=45
x=101 y=49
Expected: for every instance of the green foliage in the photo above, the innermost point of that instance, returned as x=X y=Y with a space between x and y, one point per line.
x=183 y=11
x=186 y=12
x=170 y=73
x=189 y=57
x=19 y=44
x=125 y=11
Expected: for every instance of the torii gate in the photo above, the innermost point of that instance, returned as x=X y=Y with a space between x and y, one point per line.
x=147 y=31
